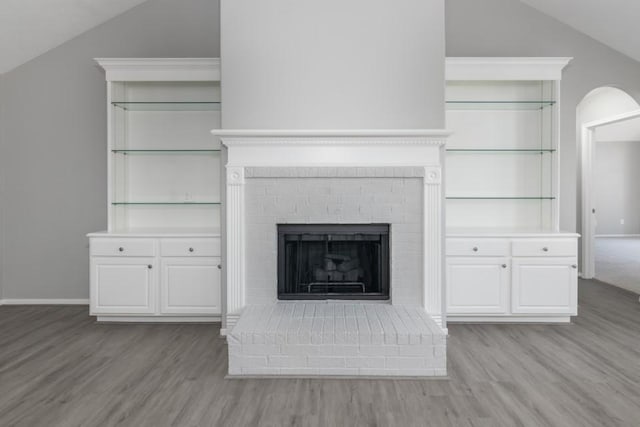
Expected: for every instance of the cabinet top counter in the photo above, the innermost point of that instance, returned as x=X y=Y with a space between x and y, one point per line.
x=506 y=232
x=157 y=232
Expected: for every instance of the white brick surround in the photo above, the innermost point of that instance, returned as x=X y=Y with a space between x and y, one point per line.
x=334 y=177
x=335 y=200
x=336 y=339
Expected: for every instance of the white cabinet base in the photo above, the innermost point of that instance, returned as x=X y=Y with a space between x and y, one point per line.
x=190 y=286
x=512 y=278
x=123 y=285
x=155 y=278
x=544 y=286
x=158 y=319
x=508 y=319
x=477 y=285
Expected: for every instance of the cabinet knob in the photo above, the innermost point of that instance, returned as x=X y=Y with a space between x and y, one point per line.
x=545 y=249
x=219 y=266
x=121 y=249
x=504 y=265
x=149 y=266
x=475 y=249
x=574 y=266
x=190 y=249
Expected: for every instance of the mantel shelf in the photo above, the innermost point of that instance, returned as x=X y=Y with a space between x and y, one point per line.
x=168 y=105
x=499 y=105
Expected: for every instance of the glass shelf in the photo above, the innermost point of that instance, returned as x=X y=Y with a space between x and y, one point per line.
x=498 y=105
x=500 y=198
x=205 y=151
x=167 y=106
x=163 y=203
x=502 y=150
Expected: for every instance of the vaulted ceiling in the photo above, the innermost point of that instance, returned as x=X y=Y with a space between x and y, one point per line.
x=29 y=28
x=615 y=23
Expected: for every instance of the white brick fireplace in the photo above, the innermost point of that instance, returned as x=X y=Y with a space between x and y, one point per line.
x=335 y=177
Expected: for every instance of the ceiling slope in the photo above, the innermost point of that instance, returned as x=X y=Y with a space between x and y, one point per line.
x=616 y=23
x=29 y=28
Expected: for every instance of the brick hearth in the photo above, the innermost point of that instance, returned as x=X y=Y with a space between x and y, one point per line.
x=336 y=339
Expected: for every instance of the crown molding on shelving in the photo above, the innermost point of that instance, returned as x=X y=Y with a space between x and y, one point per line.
x=160 y=69
x=505 y=68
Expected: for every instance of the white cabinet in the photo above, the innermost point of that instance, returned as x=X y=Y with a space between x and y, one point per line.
x=122 y=285
x=151 y=278
x=502 y=193
x=190 y=286
x=159 y=259
x=512 y=278
x=477 y=285
x=544 y=286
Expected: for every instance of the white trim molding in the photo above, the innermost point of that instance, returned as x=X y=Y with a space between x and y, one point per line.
x=497 y=68
x=160 y=69
x=330 y=133
x=44 y=301
x=587 y=154
x=335 y=149
x=158 y=319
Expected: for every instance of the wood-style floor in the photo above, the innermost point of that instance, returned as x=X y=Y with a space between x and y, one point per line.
x=60 y=368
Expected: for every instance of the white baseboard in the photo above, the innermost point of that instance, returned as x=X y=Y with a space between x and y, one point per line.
x=508 y=319
x=44 y=301
x=617 y=235
x=157 y=319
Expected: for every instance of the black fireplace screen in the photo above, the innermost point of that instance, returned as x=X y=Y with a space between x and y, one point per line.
x=333 y=261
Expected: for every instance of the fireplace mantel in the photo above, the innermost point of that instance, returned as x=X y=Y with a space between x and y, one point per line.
x=334 y=151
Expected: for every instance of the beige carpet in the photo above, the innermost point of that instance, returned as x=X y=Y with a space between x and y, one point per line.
x=618 y=261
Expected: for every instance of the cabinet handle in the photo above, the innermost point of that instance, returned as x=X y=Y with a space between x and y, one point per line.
x=504 y=265
x=121 y=249
x=219 y=266
x=475 y=249
x=545 y=249
x=149 y=266
x=574 y=266
x=190 y=249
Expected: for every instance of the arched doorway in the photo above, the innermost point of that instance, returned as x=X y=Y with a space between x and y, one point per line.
x=602 y=109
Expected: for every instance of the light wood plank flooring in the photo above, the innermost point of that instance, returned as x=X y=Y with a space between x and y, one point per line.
x=60 y=368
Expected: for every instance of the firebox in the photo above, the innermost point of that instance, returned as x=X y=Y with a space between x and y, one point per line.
x=333 y=261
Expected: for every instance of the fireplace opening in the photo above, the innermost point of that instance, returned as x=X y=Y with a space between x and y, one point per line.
x=333 y=261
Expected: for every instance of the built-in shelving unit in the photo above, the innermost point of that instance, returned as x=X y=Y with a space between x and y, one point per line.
x=506 y=257
x=165 y=166
x=501 y=156
x=159 y=259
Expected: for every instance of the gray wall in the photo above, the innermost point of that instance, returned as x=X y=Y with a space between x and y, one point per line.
x=510 y=28
x=617 y=193
x=53 y=142
x=333 y=64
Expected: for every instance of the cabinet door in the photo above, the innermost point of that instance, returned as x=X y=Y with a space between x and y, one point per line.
x=121 y=285
x=190 y=286
x=544 y=286
x=477 y=285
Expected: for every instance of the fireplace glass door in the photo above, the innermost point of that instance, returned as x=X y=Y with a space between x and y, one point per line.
x=333 y=261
